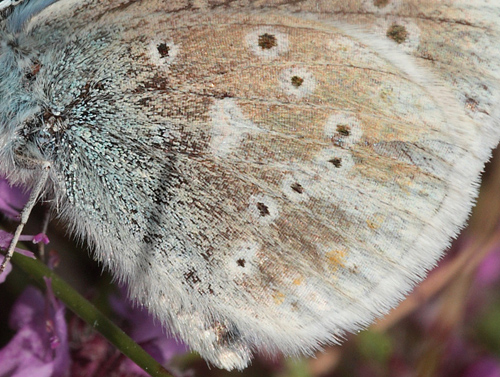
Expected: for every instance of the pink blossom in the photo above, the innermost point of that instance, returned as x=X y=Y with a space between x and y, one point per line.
x=40 y=346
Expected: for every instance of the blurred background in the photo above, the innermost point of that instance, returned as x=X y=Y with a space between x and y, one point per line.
x=448 y=326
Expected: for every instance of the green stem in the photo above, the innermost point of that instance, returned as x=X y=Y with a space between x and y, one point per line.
x=90 y=314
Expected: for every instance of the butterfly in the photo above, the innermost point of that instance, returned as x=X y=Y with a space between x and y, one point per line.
x=263 y=175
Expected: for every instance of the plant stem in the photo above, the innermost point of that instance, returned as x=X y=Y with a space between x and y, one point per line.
x=90 y=314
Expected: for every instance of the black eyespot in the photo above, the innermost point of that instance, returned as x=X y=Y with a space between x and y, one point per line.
x=297 y=81
x=267 y=41
x=241 y=262
x=163 y=50
x=336 y=161
x=344 y=130
x=263 y=209
x=397 y=33
x=297 y=187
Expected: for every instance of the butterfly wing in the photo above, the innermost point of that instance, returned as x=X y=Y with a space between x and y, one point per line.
x=268 y=175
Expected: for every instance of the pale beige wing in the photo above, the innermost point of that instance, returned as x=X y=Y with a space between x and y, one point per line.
x=275 y=175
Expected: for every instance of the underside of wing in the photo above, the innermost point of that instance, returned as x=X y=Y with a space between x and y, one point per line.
x=299 y=168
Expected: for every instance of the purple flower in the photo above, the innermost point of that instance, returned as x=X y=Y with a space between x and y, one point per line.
x=94 y=356
x=40 y=345
x=12 y=198
x=142 y=327
x=6 y=237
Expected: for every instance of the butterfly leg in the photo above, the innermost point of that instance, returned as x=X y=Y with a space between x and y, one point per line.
x=35 y=193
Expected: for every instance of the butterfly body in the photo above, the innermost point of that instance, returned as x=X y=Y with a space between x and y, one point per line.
x=263 y=176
